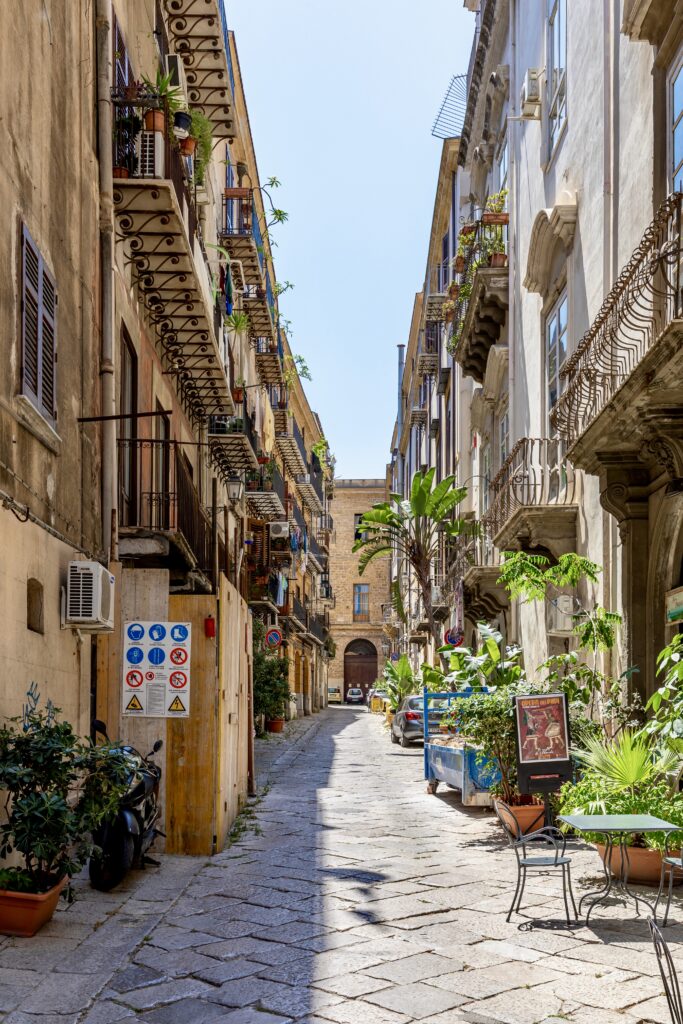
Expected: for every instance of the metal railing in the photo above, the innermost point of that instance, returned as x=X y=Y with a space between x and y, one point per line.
x=267 y=479
x=317 y=627
x=264 y=591
x=535 y=473
x=297 y=515
x=644 y=300
x=315 y=549
x=263 y=346
x=239 y=424
x=297 y=609
x=278 y=395
x=156 y=492
x=472 y=552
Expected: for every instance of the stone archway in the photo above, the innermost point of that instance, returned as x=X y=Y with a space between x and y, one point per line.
x=360 y=665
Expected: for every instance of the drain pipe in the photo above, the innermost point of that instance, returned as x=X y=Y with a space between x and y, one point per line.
x=399 y=414
x=107 y=379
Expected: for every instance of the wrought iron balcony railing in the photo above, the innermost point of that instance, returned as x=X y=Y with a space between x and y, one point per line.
x=266 y=493
x=291 y=444
x=534 y=475
x=317 y=555
x=240 y=234
x=644 y=301
x=232 y=443
x=317 y=627
x=310 y=486
x=428 y=350
x=156 y=494
x=436 y=285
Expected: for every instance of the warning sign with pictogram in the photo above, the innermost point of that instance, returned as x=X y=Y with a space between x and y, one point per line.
x=156 y=669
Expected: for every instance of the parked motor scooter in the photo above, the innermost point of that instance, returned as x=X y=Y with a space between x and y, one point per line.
x=126 y=839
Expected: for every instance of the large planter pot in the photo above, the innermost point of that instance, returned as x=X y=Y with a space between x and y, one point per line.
x=120 y=172
x=499 y=259
x=495 y=218
x=155 y=121
x=188 y=146
x=25 y=913
x=529 y=817
x=275 y=724
x=644 y=865
x=238 y=395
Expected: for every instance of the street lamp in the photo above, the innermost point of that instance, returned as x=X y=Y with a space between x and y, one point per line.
x=235 y=488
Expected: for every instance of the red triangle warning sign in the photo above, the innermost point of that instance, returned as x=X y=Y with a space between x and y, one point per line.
x=134 y=704
x=176 y=705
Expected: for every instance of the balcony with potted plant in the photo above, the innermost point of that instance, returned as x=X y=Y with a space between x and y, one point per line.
x=266 y=495
x=232 y=444
x=428 y=351
x=269 y=359
x=157 y=232
x=480 y=306
x=240 y=234
x=290 y=445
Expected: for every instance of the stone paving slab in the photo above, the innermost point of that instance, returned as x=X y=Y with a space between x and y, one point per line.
x=360 y=900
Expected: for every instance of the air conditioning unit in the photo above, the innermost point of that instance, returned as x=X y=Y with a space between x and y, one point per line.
x=560 y=615
x=175 y=67
x=279 y=530
x=149 y=149
x=530 y=96
x=90 y=597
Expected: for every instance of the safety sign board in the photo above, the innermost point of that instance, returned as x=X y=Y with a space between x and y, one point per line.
x=156 y=669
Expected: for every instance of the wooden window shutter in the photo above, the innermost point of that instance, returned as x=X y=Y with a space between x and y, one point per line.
x=39 y=330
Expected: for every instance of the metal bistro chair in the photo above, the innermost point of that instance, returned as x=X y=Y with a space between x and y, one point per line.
x=522 y=844
x=673 y=863
x=668 y=973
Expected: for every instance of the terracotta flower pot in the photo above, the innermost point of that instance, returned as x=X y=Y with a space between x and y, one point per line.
x=499 y=259
x=188 y=146
x=644 y=865
x=155 y=121
x=120 y=172
x=529 y=817
x=459 y=264
x=275 y=724
x=453 y=290
x=25 y=913
x=238 y=395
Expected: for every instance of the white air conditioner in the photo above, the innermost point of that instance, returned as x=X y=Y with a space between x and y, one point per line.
x=530 y=96
x=175 y=66
x=90 y=597
x=560 y=615
x=279 y=530
x=149 y=149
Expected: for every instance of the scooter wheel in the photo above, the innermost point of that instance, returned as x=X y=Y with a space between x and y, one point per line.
x=113 y=864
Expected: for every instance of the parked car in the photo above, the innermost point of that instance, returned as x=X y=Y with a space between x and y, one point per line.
x=407 y=723
x=334 y=695
x=354 y=695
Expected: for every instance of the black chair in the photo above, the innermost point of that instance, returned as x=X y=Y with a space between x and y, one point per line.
x=668 y=973
x=523 y=846
x=673 y=863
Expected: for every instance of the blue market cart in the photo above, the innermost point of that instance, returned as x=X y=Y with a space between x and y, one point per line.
x=460 y=767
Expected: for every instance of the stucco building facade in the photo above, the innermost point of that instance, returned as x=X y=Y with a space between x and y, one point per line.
x=541 y=366
x=360 y=602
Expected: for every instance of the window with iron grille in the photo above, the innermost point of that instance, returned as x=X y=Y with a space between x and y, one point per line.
x=361 y=602
x=38 y=330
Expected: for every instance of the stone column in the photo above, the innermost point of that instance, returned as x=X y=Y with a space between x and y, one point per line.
x=624 y=484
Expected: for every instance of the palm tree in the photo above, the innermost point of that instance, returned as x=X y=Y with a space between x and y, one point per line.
x=412 y=529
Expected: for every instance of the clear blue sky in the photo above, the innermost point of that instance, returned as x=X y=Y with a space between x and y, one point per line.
x=341 y=101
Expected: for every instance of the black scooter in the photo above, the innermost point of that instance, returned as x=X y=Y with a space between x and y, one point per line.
x=127 y=837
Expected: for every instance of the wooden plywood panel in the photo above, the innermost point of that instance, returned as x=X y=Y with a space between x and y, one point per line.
x=192 y=742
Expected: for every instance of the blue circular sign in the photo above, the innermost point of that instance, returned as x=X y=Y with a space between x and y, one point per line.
x=135 y=655
x=157 y=655
x=157 y=632
x=179 y=633
x=135 y=631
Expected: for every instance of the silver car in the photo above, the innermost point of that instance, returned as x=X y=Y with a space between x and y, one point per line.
x=407 y=724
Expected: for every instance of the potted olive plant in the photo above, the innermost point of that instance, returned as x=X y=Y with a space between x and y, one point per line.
x=58 y=789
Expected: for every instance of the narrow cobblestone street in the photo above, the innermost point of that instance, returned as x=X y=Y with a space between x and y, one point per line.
x=351 y=897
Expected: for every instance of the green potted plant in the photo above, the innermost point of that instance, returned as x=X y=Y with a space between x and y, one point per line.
x=127 y=127
x=400 y=682
x=448 y=311
x=58 y=789
x=272 y=695
x=627 y=775
x=169 y=95
x=202 y=133
x=495 y=212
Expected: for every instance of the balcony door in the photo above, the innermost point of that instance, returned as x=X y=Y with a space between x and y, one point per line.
x=556 y=331
x=161 y=469
x=128 y=469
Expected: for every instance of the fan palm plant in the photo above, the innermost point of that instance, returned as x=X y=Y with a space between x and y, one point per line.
x=400 y=681
x=412 y=529
x=627 y=763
